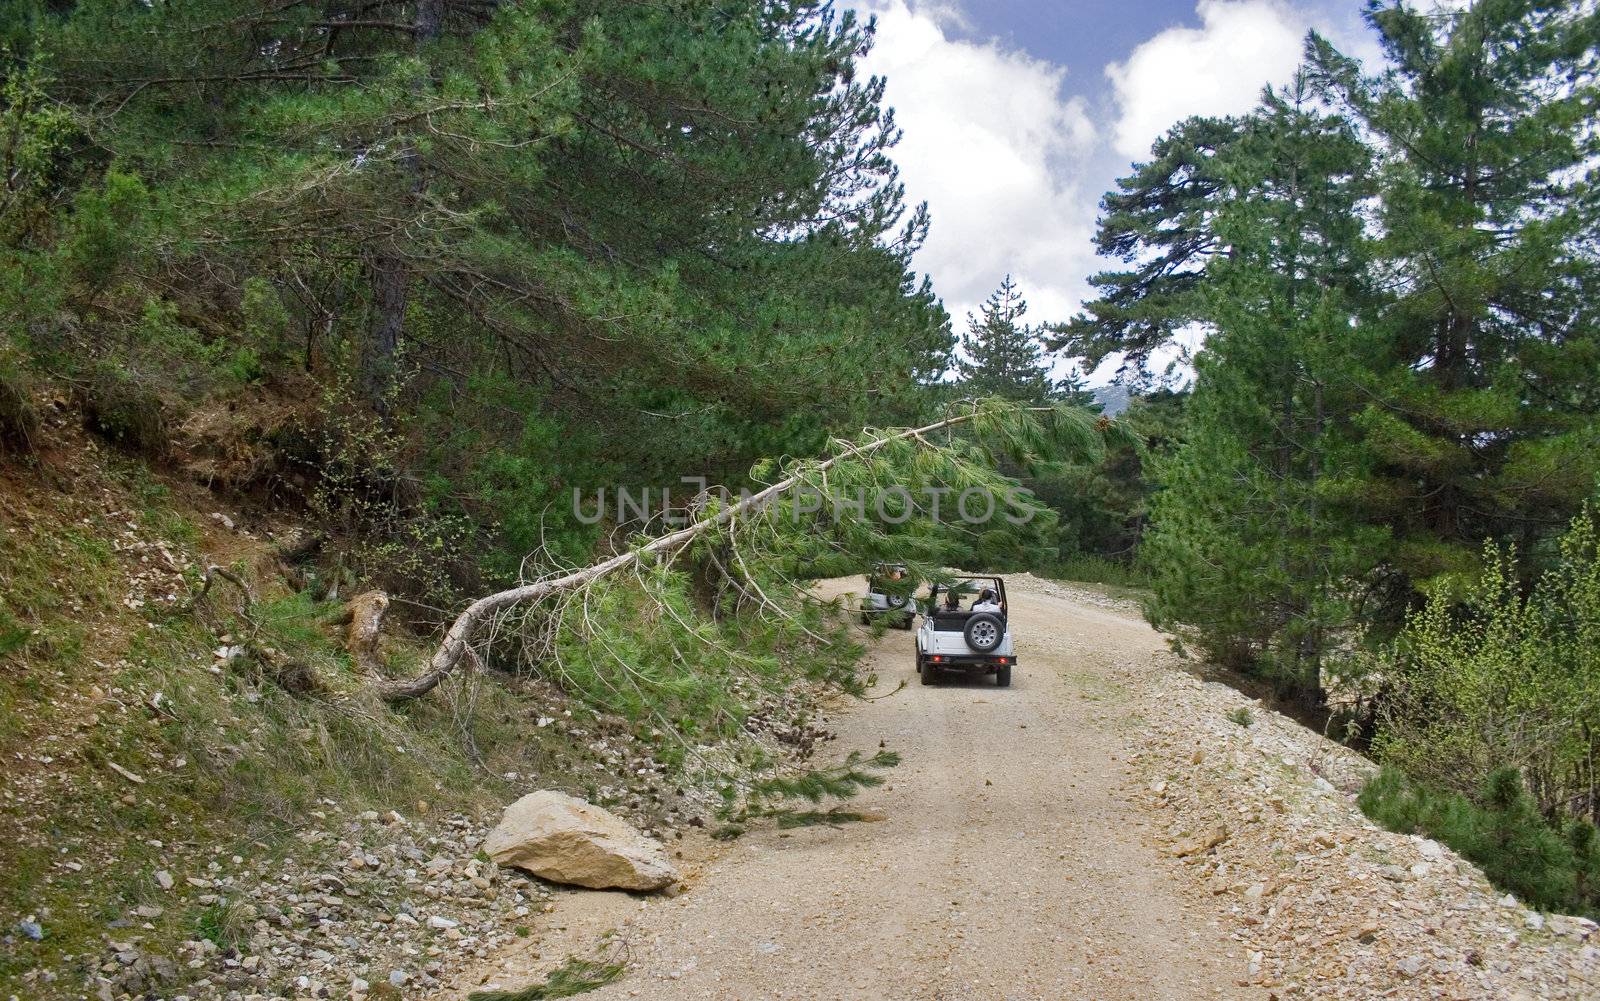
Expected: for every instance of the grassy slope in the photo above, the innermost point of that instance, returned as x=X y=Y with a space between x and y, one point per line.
x=102 y=662
x=136 y=755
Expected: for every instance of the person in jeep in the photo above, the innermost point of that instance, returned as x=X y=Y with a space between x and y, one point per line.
x=888 y=596
x=975 y=640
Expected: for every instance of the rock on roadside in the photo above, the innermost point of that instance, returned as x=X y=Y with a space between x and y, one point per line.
x=566 y=840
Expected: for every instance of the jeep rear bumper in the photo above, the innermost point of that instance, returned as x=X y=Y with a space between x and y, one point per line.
x=975 y=663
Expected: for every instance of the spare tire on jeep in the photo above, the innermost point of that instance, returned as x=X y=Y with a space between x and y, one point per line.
x=983 y=632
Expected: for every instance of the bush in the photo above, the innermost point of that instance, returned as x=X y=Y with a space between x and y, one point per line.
x=1485 y=675
x=1502 y=832
x=1098 y=570
x=368 y=493
x=19 y=421
x=118 y=408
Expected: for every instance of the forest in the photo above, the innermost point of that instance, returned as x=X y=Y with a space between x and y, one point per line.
x=402 y=278
x=1379 y=488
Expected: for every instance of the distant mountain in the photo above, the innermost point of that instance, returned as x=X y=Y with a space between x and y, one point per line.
x=1112 y=400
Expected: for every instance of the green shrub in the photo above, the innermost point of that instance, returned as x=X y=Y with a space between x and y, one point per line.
x=119 y=408
x=37 y=155
x=1501 y=831
x=108 y=228
x=368 y=494
x=1088 y=569
x=1485 y=675
x=19 y=421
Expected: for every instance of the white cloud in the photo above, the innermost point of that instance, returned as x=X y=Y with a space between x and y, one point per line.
x=996 y=148
x=1216 y=69
x=1220 y=67
x=1012 y=162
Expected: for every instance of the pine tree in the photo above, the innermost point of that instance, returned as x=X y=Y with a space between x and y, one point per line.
x=1073 y=389
x=1481 y=415
x=1248 y=545
x=1158 y=220
x=560 y=244
x=1400 y=361
x=1002 y=356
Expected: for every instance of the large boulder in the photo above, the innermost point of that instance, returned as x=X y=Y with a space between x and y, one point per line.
x=565 y=840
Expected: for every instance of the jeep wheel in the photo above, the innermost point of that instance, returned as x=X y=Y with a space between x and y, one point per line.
x=984 y=632
x=1002 y=677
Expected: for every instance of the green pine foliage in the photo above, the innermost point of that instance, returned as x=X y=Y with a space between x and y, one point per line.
x=1499 y=829
x=765 y=799
x=1479 y=423
x=1156 y=221
x=644 y=648
x=1096 y=504
x=687 y=644
x=951 y=501
x=1103 y=507
x=1003 y=356
x=573 y=977
x=1249 y=542
x=495 y=252
x=1395 y=270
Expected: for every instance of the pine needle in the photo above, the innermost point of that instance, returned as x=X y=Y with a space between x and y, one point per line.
x=835 y=817
x=573 y=977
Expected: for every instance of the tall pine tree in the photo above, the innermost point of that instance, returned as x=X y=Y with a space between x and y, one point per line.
x=1002 y=355
x=1480 y=421
x=1251 y=543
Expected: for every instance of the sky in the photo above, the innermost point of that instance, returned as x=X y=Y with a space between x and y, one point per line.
x=1019 y=114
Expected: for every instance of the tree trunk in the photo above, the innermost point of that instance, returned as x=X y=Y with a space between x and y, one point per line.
x=365 y=631
x=390 y=273
x=390 y=290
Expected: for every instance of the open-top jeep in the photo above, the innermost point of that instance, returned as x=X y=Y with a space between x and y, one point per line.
x=889 y=590
x=966 y=628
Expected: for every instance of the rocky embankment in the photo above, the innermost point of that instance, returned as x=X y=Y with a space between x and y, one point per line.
x=372 y=899
x=373 y=903
x=1325 y=903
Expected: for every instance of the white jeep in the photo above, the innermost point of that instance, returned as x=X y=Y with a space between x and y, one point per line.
x=972 y=638
x=889 y=590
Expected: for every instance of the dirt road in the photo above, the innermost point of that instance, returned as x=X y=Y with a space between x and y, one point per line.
x=1013 y=862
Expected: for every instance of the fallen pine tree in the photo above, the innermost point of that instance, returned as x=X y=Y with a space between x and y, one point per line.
x=931 y=456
